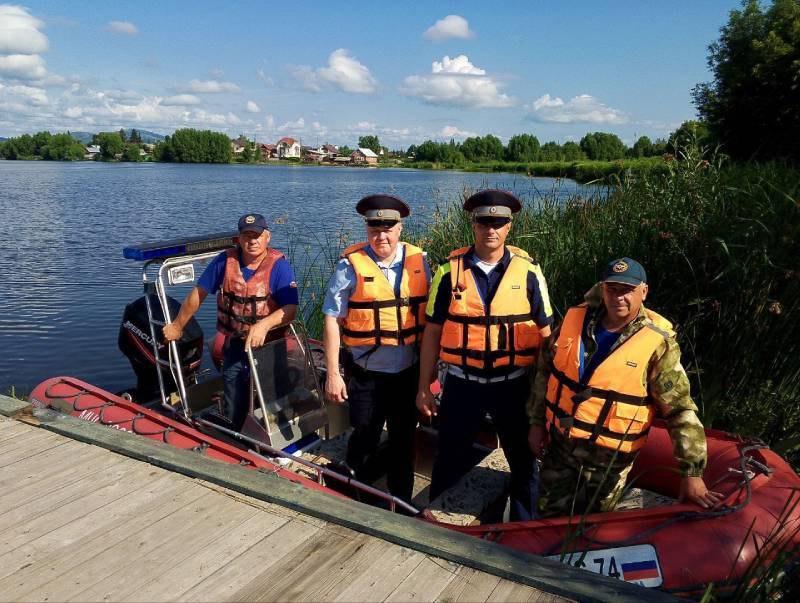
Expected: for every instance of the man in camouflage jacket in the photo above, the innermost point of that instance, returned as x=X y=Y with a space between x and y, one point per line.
x=578 y=476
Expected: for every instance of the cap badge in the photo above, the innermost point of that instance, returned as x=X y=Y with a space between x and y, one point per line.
x=380 y=213
x=493 y=210
x=620 y=267
x=250 y=219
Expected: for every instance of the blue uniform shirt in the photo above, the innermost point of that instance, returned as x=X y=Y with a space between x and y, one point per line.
x=385 y=358
x=605 y=340
x=281 y=280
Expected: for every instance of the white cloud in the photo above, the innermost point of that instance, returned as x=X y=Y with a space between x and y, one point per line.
x=365 y=125
x=348 y=73
x=262 y=75
x=579 y=109
x=457 y=82
x=252 y=107
x=452 y=26
x=212 y=86
x=269 y=121
x=458 y=65
x=73 y=112
x=180 y=100
x=22 y=66
x=36 y=96
x=298 y=124
x=343 y=71
x=122 y=27
x=454 y=132
x=19 y=31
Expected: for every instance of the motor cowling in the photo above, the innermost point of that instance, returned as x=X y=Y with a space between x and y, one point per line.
x=135 y=341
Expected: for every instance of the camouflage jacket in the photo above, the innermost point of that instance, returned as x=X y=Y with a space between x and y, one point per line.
x=668 y=387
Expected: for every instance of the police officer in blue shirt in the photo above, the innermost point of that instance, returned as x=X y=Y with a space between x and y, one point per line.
x=487 y=316
x=375 y=305
x=256 y=292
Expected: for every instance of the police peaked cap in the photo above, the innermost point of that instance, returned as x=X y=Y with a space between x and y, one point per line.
x=492 y=202
x=382 y=207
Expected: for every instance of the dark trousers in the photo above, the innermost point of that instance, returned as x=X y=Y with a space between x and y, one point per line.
x=374 y=399
x=464 y=404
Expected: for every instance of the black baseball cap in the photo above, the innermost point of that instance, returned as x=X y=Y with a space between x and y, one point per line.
x=624 y=270
x=253 y=222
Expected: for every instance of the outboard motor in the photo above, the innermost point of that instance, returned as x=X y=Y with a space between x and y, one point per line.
x=136 y=343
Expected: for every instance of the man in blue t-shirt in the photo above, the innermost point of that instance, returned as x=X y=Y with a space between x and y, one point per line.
x=256 y=292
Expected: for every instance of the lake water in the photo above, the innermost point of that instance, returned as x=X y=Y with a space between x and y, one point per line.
x=63 y=227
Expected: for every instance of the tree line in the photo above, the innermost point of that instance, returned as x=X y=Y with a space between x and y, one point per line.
x=596 y=146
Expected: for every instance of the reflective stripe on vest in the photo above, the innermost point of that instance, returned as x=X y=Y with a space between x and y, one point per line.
x=506 y=335
x=612 y=409
x=242 y=303
x=375 y=314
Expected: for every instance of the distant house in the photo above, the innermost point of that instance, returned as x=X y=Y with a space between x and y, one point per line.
x=342 y=160
x=92 y=151
x=311 y=155
x=364 y=156
x=330 y=149
x=268 y=151
x=288 y=147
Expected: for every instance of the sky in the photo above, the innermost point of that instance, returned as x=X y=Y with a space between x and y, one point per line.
x=333 y=71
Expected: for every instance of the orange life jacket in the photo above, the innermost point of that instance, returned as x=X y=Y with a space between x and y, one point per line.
x=612 y=409
x=375 y=315
x=241 y=303
x=502 y=335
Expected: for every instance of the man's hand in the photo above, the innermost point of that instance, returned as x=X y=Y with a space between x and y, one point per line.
x=257 y=335
x=694 y=490
x=537 y=440
x=335 y=388
x=172 y=331
x=426 y=404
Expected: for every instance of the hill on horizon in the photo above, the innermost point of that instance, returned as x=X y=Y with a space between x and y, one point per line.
x=147 y=135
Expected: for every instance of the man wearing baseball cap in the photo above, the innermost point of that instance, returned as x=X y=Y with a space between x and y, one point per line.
x=611 y=367
x=256 y=292
x=375 y=305
x=488 y=314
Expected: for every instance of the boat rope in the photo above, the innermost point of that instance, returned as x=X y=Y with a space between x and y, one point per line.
x=686 y=516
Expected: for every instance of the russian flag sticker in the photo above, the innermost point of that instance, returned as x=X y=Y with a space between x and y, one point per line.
x=640 y=570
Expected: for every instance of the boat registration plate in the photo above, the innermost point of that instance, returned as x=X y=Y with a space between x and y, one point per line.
x=637 y=564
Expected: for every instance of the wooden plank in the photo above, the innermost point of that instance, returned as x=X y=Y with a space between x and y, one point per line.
x=309 y=569
x=70 y=500
x=431 y=539
x=51 y=471
x=355 y=559
x=116 y=559
x=172 y=581
x=10 y=406
x=32 y=444
x=120 y=482
x=512 y=592
x=224 y=583
x=61 y=551
x=383 y=577
x=469 y=585
x=172 y=547
x=426 y=582
x=10 y=429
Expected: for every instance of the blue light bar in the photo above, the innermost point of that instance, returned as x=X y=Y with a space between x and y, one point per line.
x=176 y=247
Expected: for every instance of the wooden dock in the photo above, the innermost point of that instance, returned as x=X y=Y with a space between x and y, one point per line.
x=80 y=522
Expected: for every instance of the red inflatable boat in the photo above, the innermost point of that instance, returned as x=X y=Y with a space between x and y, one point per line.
x=675 y=547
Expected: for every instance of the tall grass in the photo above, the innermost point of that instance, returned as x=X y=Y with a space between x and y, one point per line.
x=582 y=171
x=721 y=245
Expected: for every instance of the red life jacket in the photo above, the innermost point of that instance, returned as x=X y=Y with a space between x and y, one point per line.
x=241 y=303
